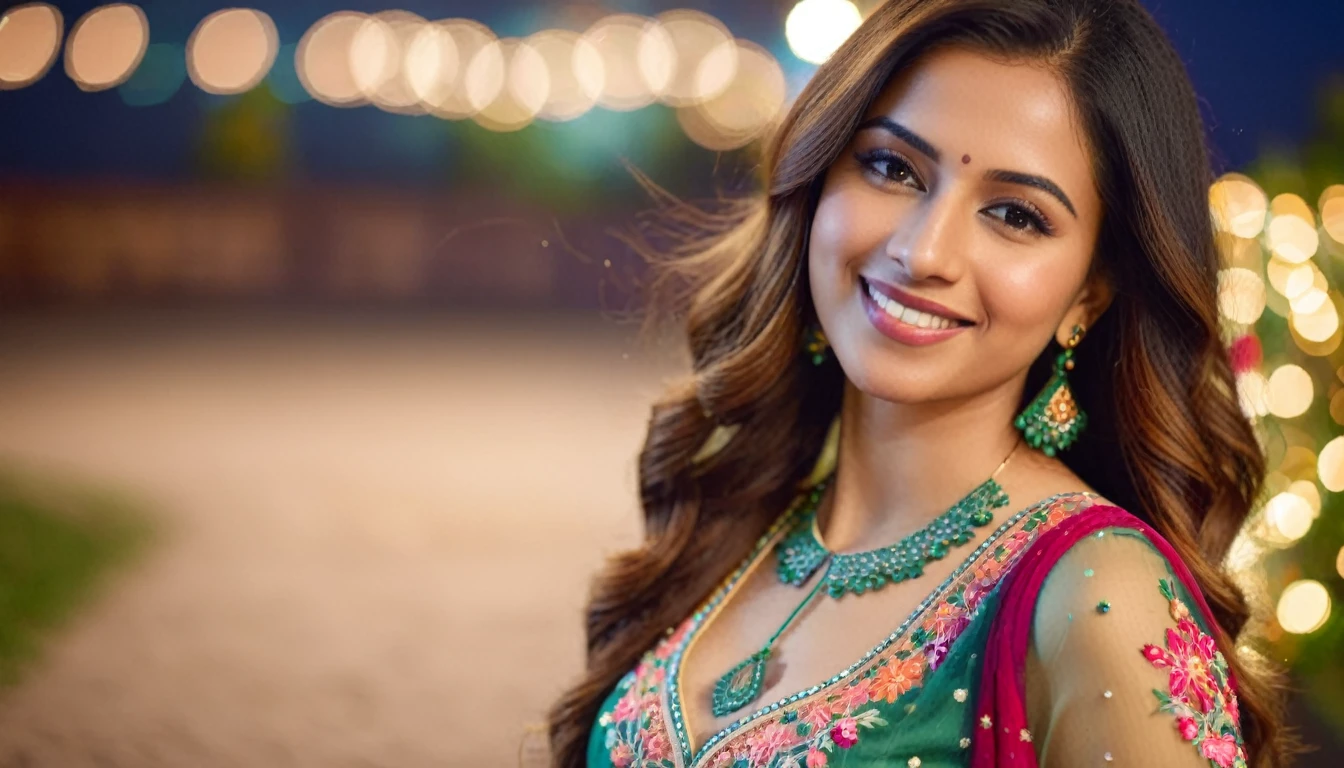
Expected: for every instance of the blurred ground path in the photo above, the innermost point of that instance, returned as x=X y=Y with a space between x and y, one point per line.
x=377 y=531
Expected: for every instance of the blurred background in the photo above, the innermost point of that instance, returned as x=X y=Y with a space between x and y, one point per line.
x=320 y=381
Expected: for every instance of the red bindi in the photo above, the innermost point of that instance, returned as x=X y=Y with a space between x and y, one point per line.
x=965 y=159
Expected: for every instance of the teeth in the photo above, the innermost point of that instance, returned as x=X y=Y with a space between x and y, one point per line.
x=906 y=314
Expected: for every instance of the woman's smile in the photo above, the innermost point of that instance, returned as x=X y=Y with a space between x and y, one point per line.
x=906 y=318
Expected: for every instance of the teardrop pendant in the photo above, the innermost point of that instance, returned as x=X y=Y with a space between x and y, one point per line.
x=741 y=685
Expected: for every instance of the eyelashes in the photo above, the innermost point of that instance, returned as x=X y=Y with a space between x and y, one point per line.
x=891 y=164
x=889 y=167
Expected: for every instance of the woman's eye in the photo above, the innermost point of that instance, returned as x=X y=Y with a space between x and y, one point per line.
x=890 y=167
x=1020 y=218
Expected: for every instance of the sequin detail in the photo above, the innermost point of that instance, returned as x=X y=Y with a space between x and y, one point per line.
x=1198 y=693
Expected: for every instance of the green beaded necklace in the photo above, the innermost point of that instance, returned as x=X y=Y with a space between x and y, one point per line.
x=802 y=552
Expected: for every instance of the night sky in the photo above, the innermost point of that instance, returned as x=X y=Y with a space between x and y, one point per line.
x=1257 y=66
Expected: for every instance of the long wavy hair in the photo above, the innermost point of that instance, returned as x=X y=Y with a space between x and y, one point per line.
x=1153 y=374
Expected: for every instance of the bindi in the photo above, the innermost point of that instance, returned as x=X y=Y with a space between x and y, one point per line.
x=965 y=159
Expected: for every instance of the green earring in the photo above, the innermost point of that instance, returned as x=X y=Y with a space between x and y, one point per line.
x=815 y=345
x=1052 y=421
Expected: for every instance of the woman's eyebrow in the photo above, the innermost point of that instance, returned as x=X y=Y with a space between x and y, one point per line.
x=902 y=133
x=1027 y=179
x=922 y=146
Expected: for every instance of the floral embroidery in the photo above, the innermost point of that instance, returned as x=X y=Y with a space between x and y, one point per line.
x=818 y=727
x=636 y=735
x=1198 y=693
x=808 y=734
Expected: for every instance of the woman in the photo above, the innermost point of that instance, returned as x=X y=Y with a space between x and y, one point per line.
x=971 y=323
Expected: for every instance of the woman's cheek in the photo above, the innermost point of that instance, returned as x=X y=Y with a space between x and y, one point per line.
x=1022 y=298
x=851 y=222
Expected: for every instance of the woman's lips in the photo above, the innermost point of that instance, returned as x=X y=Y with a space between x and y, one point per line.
x=899 y=330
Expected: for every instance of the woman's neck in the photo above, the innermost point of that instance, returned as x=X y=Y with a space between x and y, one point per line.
x=900 y=466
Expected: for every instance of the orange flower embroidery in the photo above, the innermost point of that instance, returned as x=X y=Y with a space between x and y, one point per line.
x=898 y=676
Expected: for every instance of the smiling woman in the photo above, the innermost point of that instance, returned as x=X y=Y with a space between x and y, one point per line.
x=959 y=455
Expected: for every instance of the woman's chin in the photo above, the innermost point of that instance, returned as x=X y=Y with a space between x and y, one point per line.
x=896 y=386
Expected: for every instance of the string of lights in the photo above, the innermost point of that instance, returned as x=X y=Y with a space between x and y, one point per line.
x=727 y=91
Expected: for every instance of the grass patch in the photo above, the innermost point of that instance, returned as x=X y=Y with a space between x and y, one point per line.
x=58 y=543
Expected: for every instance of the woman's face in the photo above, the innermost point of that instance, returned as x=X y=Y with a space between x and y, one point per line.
x=953 y=236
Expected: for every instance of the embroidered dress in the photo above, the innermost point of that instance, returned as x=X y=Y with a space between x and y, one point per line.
x=1139 y=680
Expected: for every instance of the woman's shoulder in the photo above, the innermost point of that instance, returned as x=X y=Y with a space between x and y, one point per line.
x=1123 y=637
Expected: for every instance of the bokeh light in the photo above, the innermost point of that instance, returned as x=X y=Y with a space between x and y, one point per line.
x=1288 y=517
x=1290 y=391
x=693 y=36
x=106 y=45
x=1330 y=465
x=1307 y=490
x=507 y=82
x=432 y=64
x=816 y=28
x=1238 y=205
x=1292 y=230
x=1241 y=295
x=378 y=55
x=232 y=50
x=161 y=73
x=30 y=41
x=1253 y=394
x=575 y=73
x=1331 y=206
x=322 y=59
x=746 y=109
x=1304 y=607
x=1319 y=325
x=637 y=57
x=450 y=99
x=1339 y=563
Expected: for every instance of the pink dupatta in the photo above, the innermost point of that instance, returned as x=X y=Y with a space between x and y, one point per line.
x=1002 y=695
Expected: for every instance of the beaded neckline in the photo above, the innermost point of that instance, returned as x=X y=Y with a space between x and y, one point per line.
x=673 y=699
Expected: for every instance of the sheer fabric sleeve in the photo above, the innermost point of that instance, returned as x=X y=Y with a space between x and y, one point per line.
x=1122 y=669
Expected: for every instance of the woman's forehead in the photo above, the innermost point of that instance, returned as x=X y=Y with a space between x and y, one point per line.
x=1013 y=115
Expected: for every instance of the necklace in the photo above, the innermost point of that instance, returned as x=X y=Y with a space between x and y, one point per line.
x=802 y=553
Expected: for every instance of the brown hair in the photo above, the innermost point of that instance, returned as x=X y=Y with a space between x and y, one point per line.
x=1153 y=373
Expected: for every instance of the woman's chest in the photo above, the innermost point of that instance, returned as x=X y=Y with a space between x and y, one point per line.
x=821 y=642
x=910 y=703
x=908 y=700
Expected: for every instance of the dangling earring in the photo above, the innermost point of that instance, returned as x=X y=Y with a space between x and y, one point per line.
x=1052 y=421
x=815 y=345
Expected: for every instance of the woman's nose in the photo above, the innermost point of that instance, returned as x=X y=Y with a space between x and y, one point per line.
x=929 y=240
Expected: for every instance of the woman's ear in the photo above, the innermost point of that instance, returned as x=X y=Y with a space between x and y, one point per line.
x=1093 y=299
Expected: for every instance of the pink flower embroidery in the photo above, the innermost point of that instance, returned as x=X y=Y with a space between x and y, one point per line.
x=816 y=715
x=851 y=697
x=816 y=758
x=1221 y=750
x=767 y=741
x=627 y=708
x=622 y=756
x=1199 y=689
x=845 y=734
x=656 y=745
